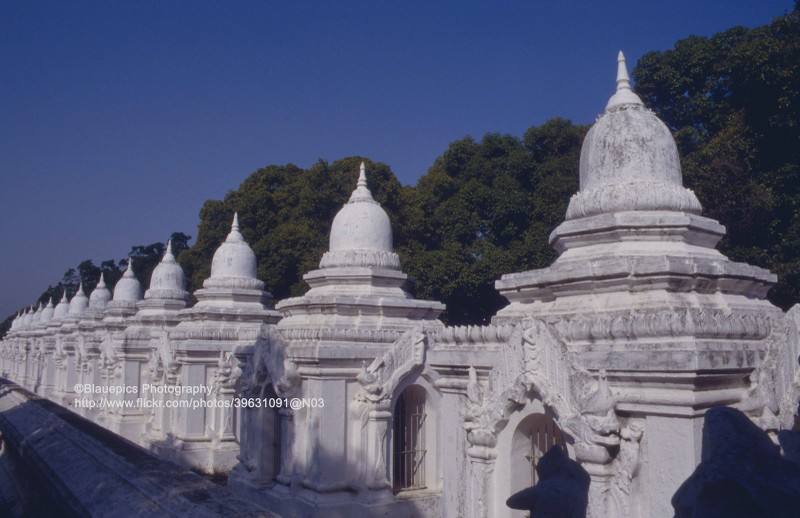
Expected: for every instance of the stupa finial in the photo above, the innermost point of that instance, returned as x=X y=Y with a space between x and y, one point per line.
x=624 y=94
x=623 y=80
x=235 y=236
x=168 y=256
x=362 y=176
x=362 y=192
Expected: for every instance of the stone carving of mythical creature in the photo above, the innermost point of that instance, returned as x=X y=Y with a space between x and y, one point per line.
x=626 y=467
x=536 y=361
x=379 y=378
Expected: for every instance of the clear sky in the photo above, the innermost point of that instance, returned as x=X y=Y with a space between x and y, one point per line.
x=118 y=119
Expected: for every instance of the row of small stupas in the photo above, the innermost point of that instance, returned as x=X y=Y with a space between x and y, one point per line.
x=614 y=352
x=168 y=275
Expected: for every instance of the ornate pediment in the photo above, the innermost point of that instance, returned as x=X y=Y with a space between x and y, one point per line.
x=379 y=379
x=774 y=392
x=536 y=362
x=268 y=364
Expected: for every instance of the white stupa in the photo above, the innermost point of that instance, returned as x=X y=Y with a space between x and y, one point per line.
x=47 y=313
x=233 y=281
x=79 y=303
x=128 y=290
x=100 y=296
x=168 y=281
x=359 y=277
x=62 y=308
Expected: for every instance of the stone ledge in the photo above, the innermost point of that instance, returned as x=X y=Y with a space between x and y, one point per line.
x=88 y=470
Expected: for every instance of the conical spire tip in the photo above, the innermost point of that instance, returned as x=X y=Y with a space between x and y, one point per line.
x=623 y=94
x=362 y=176
x=623 y=80
x=362 y=192
x=168 y=256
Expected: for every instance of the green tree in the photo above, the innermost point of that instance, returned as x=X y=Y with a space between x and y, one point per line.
x=285 y=214
x=485 y=209
x=733 y=103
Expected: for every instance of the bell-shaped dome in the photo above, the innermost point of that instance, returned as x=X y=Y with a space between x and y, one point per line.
x=47 y=312
x=62 y=308
x=100 y=296
x=234 y=264
x=629 y=160
x=361 y=234
x=27 y=320
x=167 y=281
x=37 y=316
x=128 y=288
x=79 y=303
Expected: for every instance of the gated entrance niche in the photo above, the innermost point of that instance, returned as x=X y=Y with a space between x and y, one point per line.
x=408 y=440
x=534 y=435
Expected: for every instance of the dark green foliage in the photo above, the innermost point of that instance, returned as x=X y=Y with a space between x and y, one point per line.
x=485 y=209
x=733 y=103
x=285 y=214
x=145 y=258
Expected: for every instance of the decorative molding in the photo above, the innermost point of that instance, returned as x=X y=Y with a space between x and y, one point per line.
x=360 y=258
x=473 y=334
x=216 y=334
x=772 y=399
x=349 y=334
x=384 y=374
x=536 y=361
x=241 y=283
x=694 y=322
x=635 y=195
x=268 y=364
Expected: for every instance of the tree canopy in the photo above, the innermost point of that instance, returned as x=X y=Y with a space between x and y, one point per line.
x=733 y=104
x=486 y=208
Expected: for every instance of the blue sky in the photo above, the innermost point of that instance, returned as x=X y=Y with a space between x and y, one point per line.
x=119 y=119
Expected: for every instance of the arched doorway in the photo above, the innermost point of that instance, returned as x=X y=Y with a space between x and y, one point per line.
x=408 y=440
x=534 y=435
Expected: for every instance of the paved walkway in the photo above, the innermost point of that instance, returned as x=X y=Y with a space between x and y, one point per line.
x=86 y=470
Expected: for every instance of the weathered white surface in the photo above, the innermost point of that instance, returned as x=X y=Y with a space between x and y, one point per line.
x=639 y=290
x=101 y=296
x=47 y=313
x=637 y=328
x=90 y=471
x=128 y=288
x=62 y=308
x=234 y=263
x=361 y=224
x=79 y=303
x=167 y=281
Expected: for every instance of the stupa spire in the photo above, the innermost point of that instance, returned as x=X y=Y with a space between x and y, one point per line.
x=102 y=283
x=168 y=257
x=624 y=94
x=129 y=270
x=623 y=80
x=362 y=192
x=362 y=176
x=235 y=236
